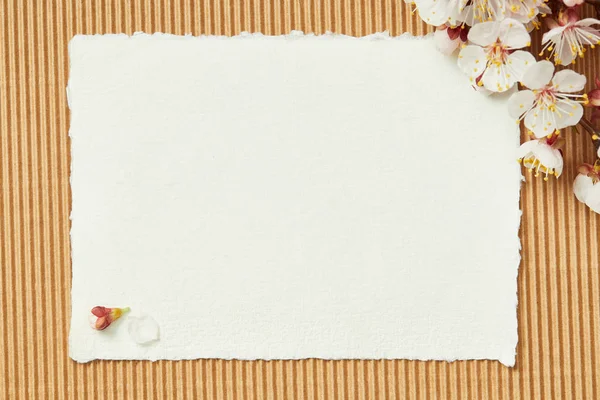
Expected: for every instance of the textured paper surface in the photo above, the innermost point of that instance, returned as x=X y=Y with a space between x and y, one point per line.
x=289 y=198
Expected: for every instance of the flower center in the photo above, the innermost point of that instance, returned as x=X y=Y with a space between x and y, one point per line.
x=497 y=53
x=546 y=97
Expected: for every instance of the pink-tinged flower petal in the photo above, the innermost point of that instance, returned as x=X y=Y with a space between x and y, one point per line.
x=100 y=311
x=520 y=102
x=513 y=34
x=451 y=32
x=485 y=33
x=572 y=15
x=103 y=323
x=568 y=81
x=538 y=75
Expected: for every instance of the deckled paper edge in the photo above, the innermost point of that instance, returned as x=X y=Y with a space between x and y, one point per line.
x=508 y=360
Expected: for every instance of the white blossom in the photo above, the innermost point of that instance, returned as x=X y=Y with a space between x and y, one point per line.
x=568 y=36
x=493 y=60
x=542 y=156
x=587 y=186
x=551 y=104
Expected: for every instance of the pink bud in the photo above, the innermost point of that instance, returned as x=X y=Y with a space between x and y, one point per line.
x=102 y=317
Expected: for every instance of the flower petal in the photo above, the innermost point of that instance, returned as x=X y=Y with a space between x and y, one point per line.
x=549 y=157
x=540 y=121
x=538 y=75
x=497 y=79
x=593 y=198
x=436 y=12
x=100 y=311
x=143 y=330
x=526 y=148
x=514 y=34
x=443 y=42
x=519 y=62
x=102 y=323
x=559 y=168
x=588 y=22
x=485 y=33
x=471 y=60
x=568 y=112
x=568 y=81
x=520 y=102
x=581 y=186
x=563 y=53
x=552 y=34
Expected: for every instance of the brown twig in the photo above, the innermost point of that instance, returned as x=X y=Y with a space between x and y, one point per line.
x=592 y=130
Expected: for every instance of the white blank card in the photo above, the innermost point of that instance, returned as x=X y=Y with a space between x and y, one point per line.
x=290 y=197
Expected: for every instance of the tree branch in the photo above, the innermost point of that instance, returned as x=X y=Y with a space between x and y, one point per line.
x=592 y=130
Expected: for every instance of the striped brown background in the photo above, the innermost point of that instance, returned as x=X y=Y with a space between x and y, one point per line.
x=559 y=283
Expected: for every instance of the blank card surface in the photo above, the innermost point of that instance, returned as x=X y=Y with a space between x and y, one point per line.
x=290 y=197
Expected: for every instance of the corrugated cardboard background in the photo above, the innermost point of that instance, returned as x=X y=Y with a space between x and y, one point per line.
x=559 y=280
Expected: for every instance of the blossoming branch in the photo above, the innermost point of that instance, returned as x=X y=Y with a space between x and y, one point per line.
x=492 y=38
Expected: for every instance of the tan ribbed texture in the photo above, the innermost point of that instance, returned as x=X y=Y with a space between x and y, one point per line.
x=559 y=284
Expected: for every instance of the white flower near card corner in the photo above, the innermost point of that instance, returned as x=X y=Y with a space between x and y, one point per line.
x=493 y=60
x=542 y=156
x=587 y=186
x=568 y=36
x=551 y=103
